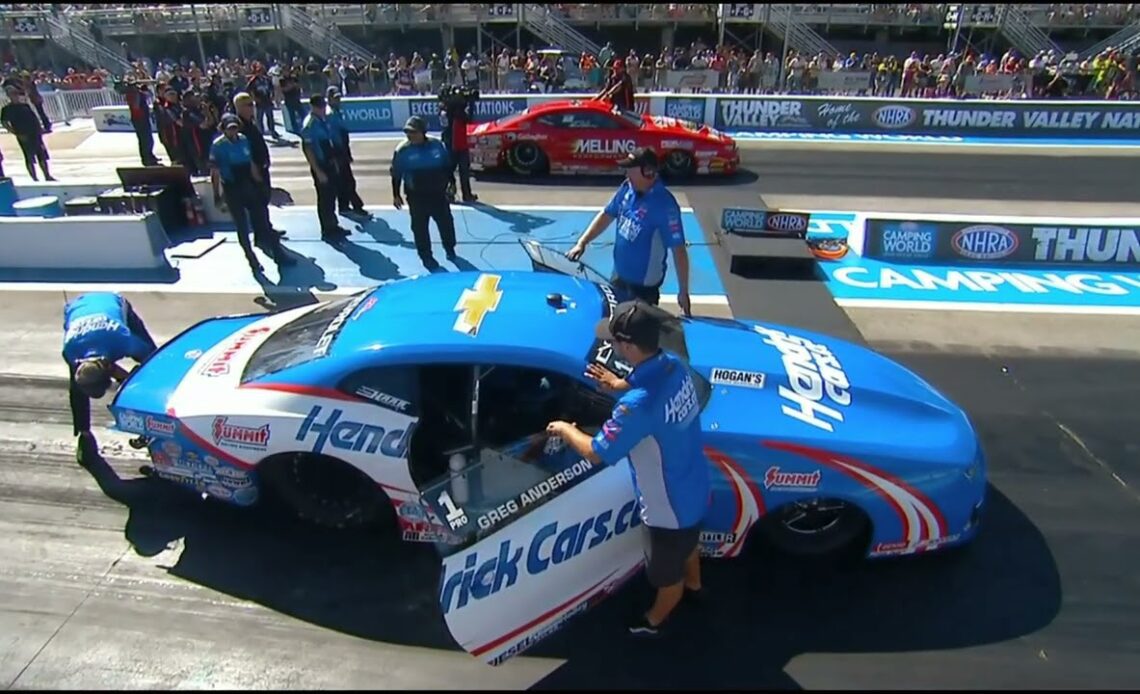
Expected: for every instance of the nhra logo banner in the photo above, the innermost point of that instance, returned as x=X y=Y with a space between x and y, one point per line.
x=486 y=109
x=929 y=118
x=980 y=243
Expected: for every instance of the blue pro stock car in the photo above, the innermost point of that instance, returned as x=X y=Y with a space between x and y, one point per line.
x=427 y=398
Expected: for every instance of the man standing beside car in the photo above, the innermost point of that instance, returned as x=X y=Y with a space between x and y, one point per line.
x=422 y=168
x=99 y=330
x=656 y=425
x=648 y=224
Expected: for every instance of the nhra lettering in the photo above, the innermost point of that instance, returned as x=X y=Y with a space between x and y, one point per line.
x=159 y=427
x=814 y=375
x=777 y=479
x=383 y=399
x=737 y=113
x=717 y=538
x=534 y=495
x=550 y=546
x=353 y=436
x=220 y=365
x=89 y=324
x=734 y=377
x=893 y=116
x=984 y=242
x=1091 y=245
x=337 y=323
x=224 y=433
x=603 y=146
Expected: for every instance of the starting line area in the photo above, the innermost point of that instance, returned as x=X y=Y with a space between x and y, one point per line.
x=860 y=282
x=209 y=260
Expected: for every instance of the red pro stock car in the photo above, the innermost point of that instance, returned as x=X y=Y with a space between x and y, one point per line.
x=590 y=136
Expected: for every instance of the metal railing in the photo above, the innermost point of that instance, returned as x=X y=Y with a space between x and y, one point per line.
x=782 y=22
x=322 y=40
x=1028 y=39
x=77 y=40
x=542 y=20
x=1125 y=40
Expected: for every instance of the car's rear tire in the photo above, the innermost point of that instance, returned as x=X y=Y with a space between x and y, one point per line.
x=526 y=158
x=678 y=164
x=325 y=491
x=817 y=528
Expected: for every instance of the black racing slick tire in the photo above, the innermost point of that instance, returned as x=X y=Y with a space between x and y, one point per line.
x=678 y=165
x=325 y=491
x=817 y=528
x=526 y=159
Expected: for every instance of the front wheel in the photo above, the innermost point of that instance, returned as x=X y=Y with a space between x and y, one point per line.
x=526 y=159
x=816 y=527
x=325 y=491
x=678 y=164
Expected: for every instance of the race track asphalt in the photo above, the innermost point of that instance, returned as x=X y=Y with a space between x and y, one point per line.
x=110 y=580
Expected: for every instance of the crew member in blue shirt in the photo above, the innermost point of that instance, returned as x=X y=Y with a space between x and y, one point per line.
x=99 y=330
x=656 y=424
x=236 y=178
x=346 y=195
x=648 y=225
x=317 y=145
x=421 y=165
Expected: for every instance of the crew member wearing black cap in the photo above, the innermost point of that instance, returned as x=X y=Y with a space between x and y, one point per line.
x=231 y=165
x=347 y=197
x=99 y=330
x=421 y=165
x=648 y=225
x=656 y=424
x=317 y=144
x=619 y=88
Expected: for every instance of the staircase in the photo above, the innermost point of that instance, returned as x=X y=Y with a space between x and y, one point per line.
x=548 y=26
x=1021 y=32
x=317 y=38
x=781 y=21
x=74 y=37
x=1125 y=40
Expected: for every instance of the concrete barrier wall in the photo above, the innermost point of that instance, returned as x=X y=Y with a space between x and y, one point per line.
x=88 y=242
x=790 y=114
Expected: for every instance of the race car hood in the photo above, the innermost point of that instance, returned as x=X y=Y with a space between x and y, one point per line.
x=667 y=124
x=779 y=382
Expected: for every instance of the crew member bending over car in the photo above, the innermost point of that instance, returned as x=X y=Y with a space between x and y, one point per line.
x=656 y=423
x=99 y=330
x=648 y=223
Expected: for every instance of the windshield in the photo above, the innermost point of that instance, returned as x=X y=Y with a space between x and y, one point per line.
x=512 y=117
x=631 y=117
x=302 y=340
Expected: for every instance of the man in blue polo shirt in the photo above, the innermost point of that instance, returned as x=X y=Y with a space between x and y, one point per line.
x=320 y=152
x=99 y=330
x=656 y=424
x=648 y=224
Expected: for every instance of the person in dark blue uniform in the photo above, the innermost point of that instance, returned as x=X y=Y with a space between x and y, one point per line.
x=656 y=424
x=421 y=165
x=99 y=330
x=347 y=198
x=317 y=144
x=232 y=166
x=648 y=225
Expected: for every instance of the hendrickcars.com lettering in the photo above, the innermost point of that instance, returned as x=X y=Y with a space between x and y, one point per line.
x=815 y=377
x=551 y=545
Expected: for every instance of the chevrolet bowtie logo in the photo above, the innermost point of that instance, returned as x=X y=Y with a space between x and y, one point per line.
x=476 y=303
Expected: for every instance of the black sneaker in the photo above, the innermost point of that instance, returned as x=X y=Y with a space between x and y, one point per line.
x=642 y=627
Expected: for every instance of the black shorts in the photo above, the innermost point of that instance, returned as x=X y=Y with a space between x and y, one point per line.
x=629 y=291
x=33 y=146
x=668 y=551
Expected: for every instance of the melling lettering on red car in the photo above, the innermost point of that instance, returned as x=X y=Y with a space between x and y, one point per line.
x=220 y=365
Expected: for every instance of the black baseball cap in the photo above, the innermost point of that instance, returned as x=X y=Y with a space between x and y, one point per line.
x=635 y=322
x=317 y=100
x=642 y=157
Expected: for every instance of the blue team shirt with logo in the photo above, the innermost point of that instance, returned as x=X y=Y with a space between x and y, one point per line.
x=648 y=225
x=317 y=135
x=233 y=159
x=424 y=167
x=338 y=131
x=657 y=424
x=95 y=325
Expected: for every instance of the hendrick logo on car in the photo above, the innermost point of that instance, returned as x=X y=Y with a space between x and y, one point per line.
x=346 y=435
x=735 y=377
x=984 y=242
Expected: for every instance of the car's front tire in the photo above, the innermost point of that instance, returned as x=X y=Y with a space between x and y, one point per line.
x=817 y=528
x=678 y=164
x=526 y=158
x=325 y=491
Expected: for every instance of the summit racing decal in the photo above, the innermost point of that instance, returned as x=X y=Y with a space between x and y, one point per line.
x=779 y=480
x=226 y=434
x=817 y=384
x=596 y=146
x=220 y=365
x=553 y=544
